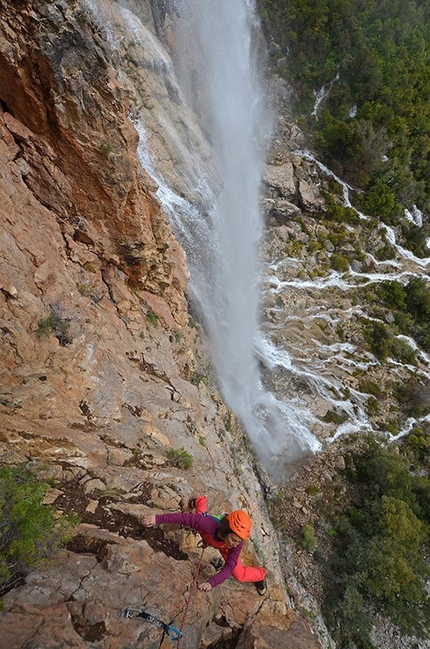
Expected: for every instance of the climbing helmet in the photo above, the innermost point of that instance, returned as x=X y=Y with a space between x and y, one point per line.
x=240 y=523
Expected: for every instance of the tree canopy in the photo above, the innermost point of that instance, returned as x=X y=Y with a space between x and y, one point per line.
x=373 y=58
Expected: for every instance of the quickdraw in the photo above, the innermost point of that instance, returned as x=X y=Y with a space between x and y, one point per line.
x=173 y=633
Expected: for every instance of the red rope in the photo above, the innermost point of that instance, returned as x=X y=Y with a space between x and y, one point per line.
x=193 y=585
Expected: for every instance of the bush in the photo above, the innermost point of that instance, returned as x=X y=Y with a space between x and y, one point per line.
x=152 y=318
x=55 y=323
x=308 y=538
x=29 y=531
x=413 y=397
x=416 y=239
x=403 y=352
x=418 y=298
x=370 y=387
x=333 y=417
x=180 y=458
x=392 y=293
x=339 y=263
x=419 y=444
x=379 y=339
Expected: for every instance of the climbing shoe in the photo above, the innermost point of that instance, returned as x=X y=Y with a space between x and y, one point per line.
x=261 y=587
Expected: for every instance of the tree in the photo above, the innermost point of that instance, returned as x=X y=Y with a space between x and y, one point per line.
x=29 y=531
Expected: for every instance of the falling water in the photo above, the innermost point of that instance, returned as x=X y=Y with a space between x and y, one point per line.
x=214 y=209
x=230 y=106
x=219 y=70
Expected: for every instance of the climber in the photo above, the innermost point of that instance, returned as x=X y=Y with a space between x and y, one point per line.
x=226 y=533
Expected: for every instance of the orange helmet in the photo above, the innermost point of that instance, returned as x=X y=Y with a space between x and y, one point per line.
x=240 y=523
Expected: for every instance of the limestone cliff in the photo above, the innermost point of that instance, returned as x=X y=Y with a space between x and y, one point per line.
x=101 y=366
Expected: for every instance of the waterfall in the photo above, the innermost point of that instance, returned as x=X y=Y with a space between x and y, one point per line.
x=208 y=88
x=218 y=66
x=216 y=58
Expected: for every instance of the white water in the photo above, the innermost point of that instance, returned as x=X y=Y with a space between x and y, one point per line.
x=322 y=94
x=326 y=366
x=225 y=89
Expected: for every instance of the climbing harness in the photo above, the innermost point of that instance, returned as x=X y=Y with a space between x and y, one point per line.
x=193 y=586
x=173 y=633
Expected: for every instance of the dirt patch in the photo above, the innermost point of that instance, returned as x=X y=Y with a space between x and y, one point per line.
x=75 y=500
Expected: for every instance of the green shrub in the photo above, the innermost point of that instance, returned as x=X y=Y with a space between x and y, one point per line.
x=403 y=352
x=372 y=406
x=370 y=387
x=386 y=252
x=180 y=458
x=333 y=417
x=416 y=239
x=105 y=148
x=340 y=263
x=418 y=298
x=312 y=490
x=29 y=530
x=379 y=338
x=419 y=444
x=56 y=324
x=412 y=397
x=152 y=318
x=392 y=293
x=308 y=538
x=338 y=212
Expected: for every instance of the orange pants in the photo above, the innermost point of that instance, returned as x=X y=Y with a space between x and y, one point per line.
x=240 y=573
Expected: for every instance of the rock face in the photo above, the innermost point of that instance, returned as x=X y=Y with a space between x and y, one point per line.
x=101 y=372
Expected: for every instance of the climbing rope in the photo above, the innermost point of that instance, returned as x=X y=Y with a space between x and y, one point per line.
x=192 y=588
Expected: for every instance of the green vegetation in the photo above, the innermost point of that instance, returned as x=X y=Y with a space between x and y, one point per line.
x=410 y=305
x=82 y=288
x=339 y=263
x=383 y=343
x=29 y=530
x=373 y=126
x=313 y=490
x=333 y=417
x=413 y=397
x=417 y=445
x=176 y=335
x=370 y=387
x=55 y=323
x=152 y=318
x=180 y=457
x=380 y=549
x=409 y=309
x=308 y=538
x=105 y=148
x=337 y=212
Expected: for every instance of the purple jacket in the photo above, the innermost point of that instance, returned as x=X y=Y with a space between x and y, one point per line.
x=208 y=527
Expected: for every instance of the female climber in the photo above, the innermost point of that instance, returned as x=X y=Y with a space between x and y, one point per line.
x=226 y=533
